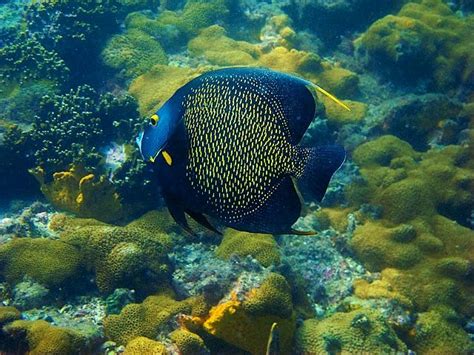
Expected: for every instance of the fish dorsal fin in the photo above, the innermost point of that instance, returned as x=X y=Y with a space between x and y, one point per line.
x=331 y=96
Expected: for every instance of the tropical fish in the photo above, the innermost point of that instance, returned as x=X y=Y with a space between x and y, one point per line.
x=225 y=145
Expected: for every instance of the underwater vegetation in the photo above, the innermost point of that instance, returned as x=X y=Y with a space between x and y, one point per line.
x=92 y=262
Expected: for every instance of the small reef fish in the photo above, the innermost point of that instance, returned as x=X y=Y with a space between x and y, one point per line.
x=225 y=145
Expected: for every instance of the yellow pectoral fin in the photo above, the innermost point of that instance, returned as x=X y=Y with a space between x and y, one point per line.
x=167 y=157
x=332 y=97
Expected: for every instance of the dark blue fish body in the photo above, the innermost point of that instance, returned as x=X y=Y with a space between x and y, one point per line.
x=229 y=143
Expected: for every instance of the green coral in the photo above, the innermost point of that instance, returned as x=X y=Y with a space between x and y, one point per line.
x=188 y=343
x=133 y=53
x=43 y=338
x=121 y=256
x=48 y=262
x=8 y=314
x=433 y=333
x=425 y=39
x=224 y=50
x=360 y=331
x=272 y=297
x=143 y=319
x=423 y=255
x=261 y=246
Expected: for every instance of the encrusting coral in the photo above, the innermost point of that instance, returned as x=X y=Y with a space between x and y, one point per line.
x=144 y=319
x=423 y=256
x=261 y=246
x=44 y=338
x=359 y=331
x=143 y=345
x=50 y=262
x=425 y=39
x=120 y=256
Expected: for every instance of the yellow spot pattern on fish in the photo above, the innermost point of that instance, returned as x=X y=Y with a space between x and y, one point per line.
x=239 y=144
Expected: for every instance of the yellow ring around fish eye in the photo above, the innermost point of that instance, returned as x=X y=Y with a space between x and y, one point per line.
x=154 y=119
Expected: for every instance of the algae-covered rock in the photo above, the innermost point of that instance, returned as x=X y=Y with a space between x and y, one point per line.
x=8 y=314
x=358 y=331
x=50 y=262
x=261 y=246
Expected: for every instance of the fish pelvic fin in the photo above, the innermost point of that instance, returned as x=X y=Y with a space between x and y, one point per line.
x=331 y=96
x=318 y=166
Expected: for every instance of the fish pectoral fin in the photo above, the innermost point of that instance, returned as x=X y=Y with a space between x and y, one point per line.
x=298 y=232
x=167 y=157
x=202 y=220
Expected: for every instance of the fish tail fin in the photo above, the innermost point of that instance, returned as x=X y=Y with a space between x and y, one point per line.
x=320 y=164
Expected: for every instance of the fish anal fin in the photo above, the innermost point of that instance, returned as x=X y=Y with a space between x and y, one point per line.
x=298 y=232
x=179 y=216
x=202 y=220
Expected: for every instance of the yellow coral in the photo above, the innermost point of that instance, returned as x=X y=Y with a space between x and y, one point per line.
x=49 y=262
x=81 y=193
x=261 y=246
x=143 y=319
x=359 y=331
x=246 y=324
x=143 y=345
x=340 y=117
x=43 y=338
x=187 y=342
x=149 y=90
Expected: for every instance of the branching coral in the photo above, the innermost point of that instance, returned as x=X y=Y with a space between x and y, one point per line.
x=71 y=128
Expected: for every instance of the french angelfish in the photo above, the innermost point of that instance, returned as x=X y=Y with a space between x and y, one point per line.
x=225 y=145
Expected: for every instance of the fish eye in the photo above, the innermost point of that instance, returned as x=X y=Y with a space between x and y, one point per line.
x=154 y=119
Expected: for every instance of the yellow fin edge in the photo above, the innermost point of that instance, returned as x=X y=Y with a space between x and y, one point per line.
x=332 y=97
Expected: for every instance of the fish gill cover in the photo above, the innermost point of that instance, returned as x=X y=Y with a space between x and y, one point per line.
x=91 y=261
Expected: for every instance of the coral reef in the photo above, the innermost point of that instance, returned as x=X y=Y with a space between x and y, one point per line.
x=362 y=330
x=120 y=256
x=261 y=246
x=49 y=262
x=133 y=53
x=143 y=345
x=43 y=338
x=71 y=128
x=246 y=323
x=424 y=40
x=82 y=193
x=144 y=319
